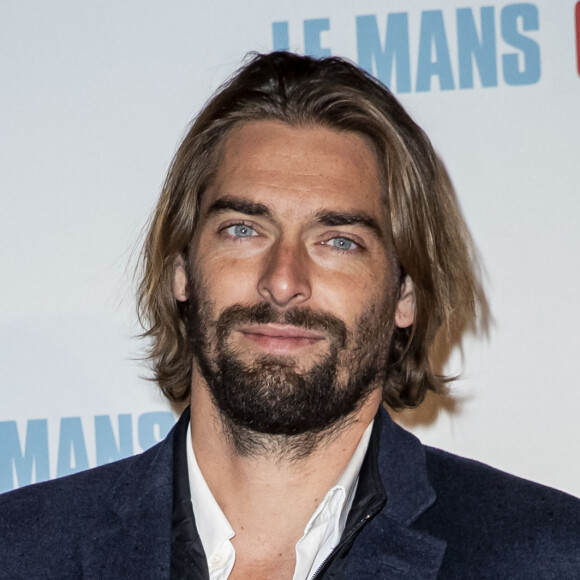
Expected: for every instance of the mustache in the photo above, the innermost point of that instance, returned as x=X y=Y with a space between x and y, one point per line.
x=265 y=313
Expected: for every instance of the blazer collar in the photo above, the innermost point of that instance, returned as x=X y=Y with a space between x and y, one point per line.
x=133 y=540
x=393 y=482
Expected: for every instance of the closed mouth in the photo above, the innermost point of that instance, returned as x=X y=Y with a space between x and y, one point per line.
x=282 y=332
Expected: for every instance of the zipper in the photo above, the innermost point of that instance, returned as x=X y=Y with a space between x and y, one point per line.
x=344 y=540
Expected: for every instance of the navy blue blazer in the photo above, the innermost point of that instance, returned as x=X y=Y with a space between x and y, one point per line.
x=444 y=517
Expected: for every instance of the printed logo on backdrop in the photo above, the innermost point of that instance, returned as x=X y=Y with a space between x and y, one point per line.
x=25 y=455
x=497 y=46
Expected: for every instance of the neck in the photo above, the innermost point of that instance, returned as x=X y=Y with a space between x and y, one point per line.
x=272 y=491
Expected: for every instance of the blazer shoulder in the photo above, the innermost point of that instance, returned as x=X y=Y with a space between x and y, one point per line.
x=50 y=523
x=454 y=473
x=501 y=522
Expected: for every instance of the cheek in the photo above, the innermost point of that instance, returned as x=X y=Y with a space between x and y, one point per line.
x=228 y=282
x=350 y=296
x=344 y=296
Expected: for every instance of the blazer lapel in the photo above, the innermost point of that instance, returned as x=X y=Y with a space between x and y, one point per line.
x=132 y=538
x=386 y=550
x=388 y=547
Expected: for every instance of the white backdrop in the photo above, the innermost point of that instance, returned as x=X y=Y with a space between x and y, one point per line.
x=94 y=100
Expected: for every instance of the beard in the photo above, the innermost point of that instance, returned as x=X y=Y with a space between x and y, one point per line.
x=268 y=404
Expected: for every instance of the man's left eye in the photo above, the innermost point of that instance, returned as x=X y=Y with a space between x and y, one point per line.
x=241 y=231
x=343 y=244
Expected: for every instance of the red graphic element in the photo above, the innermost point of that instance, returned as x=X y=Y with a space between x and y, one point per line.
x=578 y=37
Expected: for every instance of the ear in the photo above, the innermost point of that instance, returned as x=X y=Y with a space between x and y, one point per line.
x=180 y=289
x=405 y=311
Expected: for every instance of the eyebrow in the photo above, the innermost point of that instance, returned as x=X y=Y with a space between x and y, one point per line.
x=323 y=217
x=239 y=205
x=356 y=218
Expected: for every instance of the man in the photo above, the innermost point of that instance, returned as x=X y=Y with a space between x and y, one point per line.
x=306 y=248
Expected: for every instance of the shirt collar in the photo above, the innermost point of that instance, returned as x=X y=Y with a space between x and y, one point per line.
x=321 y=534
x=213 y=527
x=338 y=500
x=324 y=529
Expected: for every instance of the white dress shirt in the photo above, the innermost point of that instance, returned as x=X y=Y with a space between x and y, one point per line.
x=321 y=534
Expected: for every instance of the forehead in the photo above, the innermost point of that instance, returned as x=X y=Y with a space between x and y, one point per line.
x=302 y=169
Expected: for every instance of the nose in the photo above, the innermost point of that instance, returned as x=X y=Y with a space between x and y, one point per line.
x=285 y=281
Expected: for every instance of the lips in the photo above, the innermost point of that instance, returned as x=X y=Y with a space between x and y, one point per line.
x=280 y=338
x=282 y=331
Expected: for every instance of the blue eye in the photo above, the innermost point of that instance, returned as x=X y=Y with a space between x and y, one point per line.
x=343 y=244
x=241 y=231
